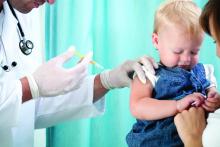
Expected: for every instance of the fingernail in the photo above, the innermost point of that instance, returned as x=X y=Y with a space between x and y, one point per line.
x=71 y=48
x=143 y=80
x=194 y=104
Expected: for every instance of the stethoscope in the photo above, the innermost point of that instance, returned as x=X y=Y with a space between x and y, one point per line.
x=26 y=46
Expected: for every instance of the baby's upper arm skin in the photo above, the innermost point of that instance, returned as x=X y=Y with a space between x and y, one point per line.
x=139 y=93
x=140 y=90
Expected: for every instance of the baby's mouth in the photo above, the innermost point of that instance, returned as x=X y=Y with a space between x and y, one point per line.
x=186 y=67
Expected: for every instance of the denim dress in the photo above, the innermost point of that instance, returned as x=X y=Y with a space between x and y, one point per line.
x=172 y=84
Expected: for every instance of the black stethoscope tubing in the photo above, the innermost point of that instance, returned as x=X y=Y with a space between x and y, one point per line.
x=26 y=46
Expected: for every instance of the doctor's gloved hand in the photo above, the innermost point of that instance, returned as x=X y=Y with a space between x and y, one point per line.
x=119 y=77
x=53 y=79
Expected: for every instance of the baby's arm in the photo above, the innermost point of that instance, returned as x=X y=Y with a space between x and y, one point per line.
x=194 y=99
x=144 y=107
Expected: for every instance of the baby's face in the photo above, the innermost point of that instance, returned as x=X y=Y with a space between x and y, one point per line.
x=176 y=48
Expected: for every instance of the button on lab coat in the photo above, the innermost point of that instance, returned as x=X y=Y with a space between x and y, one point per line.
x=17 y=120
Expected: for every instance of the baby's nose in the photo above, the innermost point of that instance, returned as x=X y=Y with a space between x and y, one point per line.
x=185 y=59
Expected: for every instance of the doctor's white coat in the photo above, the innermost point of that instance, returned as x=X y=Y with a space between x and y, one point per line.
x=17 y=120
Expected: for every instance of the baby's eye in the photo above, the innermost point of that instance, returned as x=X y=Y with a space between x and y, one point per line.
x=214 y=41
x=177 y=52
x=194 y=53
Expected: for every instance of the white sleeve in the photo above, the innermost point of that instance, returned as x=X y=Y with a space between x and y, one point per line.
x=209 y=70
x=211 y=135
x=74 y=105
x=10 y=102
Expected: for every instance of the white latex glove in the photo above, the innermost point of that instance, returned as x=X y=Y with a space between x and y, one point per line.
x=119 y=77
x=53 y=79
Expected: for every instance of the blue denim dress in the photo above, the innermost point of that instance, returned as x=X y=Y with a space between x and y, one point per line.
x=172 y=84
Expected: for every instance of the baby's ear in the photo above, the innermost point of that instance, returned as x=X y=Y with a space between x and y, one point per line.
x=155 y=40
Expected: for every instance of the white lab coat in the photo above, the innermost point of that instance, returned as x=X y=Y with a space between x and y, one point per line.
x=211 y=135
x=17 y=120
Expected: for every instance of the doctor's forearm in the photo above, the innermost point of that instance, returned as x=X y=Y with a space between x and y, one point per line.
x=26 y=93
x=99 y=90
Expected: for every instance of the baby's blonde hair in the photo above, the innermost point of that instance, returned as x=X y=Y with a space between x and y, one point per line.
x=184 y=13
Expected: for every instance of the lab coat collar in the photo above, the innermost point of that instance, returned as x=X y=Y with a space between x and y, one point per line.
x=8 y=19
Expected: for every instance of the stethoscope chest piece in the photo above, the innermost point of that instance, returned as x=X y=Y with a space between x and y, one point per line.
x=26 y=46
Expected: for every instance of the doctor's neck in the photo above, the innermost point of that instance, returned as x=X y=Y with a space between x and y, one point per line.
x=1 y=5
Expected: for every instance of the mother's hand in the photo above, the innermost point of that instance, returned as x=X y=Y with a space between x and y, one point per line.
x=190 y=125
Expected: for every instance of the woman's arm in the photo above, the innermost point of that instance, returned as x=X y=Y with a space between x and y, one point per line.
x=190 y=125
x=143 y=106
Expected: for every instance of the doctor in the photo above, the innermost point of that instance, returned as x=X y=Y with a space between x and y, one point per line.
x=38 y=95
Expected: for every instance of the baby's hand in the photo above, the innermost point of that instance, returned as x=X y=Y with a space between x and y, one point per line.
x=212 y=102
x=196 y=99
